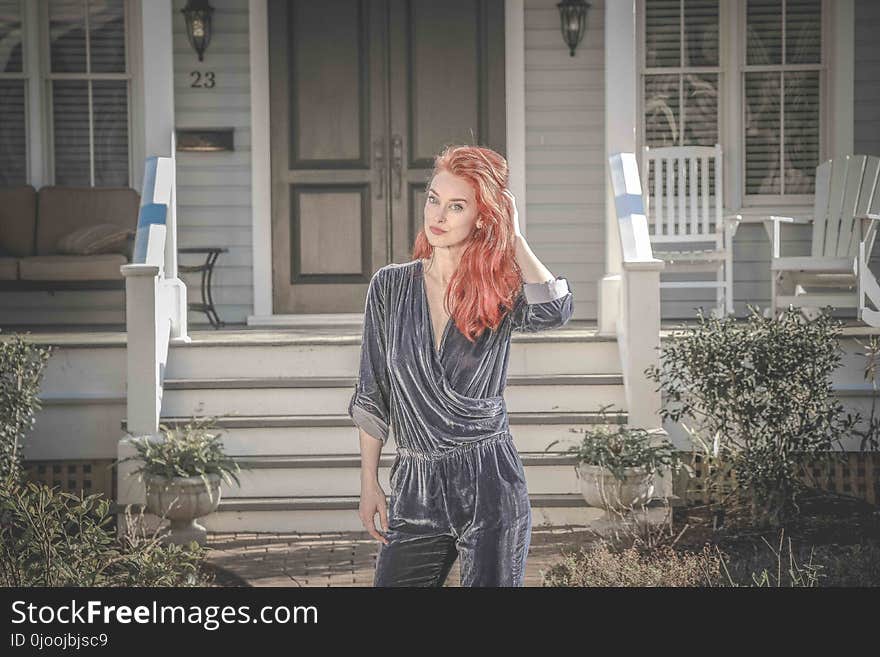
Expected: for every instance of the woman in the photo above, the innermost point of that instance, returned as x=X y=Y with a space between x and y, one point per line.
x=434 y=365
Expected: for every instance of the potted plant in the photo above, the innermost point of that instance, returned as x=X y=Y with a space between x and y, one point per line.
x=182 y=473
x=616 y=469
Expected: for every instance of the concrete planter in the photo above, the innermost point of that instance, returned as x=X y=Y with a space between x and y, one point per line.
x=601 y=489
x=182 y=500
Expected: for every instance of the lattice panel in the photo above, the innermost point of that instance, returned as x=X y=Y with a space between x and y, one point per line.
x=857 y=475
x=81 y=477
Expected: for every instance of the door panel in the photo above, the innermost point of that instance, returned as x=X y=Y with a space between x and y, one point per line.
x=329 y=215
x=446 y=74
x=363 y=94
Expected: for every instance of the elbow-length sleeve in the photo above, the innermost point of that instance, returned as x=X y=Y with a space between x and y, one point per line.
x=369 y=407
x=543 y=306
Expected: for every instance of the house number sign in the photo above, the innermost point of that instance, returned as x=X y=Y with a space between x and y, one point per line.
x=202 y=80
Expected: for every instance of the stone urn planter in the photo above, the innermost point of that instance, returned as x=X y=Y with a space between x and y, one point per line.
x=182 y=500
x=182 y=469
x=600 y=488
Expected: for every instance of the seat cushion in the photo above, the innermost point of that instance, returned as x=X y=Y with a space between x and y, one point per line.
x=61 y=210
x=72 y=268
x=8 y=269
x=18 y=216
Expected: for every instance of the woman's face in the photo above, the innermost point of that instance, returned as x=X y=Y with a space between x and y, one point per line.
x=450 y=206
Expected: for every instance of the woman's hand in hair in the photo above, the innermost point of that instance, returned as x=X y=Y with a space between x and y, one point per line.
x=515 y=214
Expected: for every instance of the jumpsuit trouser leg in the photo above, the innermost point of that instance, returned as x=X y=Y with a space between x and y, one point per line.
x=470 y=502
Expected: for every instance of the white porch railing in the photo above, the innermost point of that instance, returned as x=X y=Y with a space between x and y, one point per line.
x=638 y=322
x=638 y=319
x=155 y=314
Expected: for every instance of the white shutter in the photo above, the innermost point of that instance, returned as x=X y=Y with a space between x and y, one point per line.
x=13 y=144
x=782 y=121
x=70 y=111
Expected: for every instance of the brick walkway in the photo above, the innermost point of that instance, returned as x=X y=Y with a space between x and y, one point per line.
x=347 y=559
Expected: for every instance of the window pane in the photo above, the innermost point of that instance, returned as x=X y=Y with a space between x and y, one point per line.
x=661 y=110
x=67 y=36
x=107 y=36
x=762 y=124
x=13 y=153
x=110 y=98
x=10 y=36
x=700 y=109
x=801 y=131
x=701 y=32
x=662 y=33
x=764 y=32
x=70 y=108
x=803 y=32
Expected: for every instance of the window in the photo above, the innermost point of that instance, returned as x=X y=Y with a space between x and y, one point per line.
x=13 y=95
x=782 y=83
x=681 y=71
x=772 y=50
x=89 y=91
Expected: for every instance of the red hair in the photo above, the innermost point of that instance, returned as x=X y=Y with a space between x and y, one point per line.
x=488 y=279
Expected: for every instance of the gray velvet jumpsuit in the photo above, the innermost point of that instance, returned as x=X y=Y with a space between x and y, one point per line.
x=458 y=487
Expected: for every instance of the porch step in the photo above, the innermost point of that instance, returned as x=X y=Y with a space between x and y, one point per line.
x=275 y=354
x=339 y=475
x=335 y=434
x=302 y=394
x=319 y=514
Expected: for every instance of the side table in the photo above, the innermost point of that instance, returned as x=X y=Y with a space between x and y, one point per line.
x=207 y=271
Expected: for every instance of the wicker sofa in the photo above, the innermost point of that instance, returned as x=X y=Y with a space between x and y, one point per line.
x=32 y=223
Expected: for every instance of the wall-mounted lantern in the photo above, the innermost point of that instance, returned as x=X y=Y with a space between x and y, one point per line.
x=573 y=16
x=198 y=25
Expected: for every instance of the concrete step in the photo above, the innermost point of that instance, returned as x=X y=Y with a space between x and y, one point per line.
x=322 y=514
x=336 y=434
x=299 y=395
x=337 y=354
x=339 y=475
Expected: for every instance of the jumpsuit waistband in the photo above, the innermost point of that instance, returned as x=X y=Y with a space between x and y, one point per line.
x=504 y=436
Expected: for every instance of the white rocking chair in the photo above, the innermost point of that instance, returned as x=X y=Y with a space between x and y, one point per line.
x=845 y=214
x=685 y=210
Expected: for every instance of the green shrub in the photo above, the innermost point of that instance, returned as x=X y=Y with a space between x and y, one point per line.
x=763 y=387
x=51 y=538
x=21 y=369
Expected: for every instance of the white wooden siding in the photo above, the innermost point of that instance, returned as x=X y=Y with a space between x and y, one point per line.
x=214 y=189
x=565 y=149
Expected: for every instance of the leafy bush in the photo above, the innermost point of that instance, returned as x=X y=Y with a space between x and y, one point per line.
x=763 y=387
x=21 y=369
x=50 y=538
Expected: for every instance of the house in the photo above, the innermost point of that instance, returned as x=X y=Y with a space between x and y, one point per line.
x=335 y=110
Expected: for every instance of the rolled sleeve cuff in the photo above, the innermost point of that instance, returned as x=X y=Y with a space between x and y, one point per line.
x=370 y=423
x=547 y=291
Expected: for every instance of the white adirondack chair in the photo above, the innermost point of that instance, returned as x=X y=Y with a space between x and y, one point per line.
x=845 y=214
x=685 y=210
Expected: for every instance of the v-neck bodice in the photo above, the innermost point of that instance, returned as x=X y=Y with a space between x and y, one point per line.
x=438 y=395
x=436 y=343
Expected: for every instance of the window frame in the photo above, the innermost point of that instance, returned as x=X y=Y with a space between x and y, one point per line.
x=760 y=200
x=47 y=77
x=731 y=99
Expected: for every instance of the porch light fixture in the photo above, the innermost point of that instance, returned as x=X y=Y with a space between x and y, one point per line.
x=198 y=25
x=573 y=16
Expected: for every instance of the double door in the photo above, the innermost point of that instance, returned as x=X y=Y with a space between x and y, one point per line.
x=363 y=95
